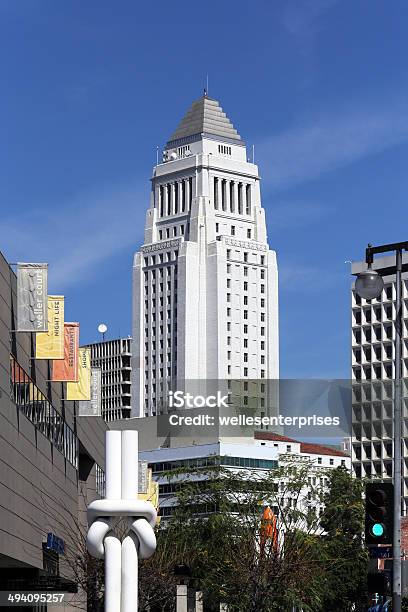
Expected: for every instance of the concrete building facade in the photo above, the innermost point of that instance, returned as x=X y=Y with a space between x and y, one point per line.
x=113 y=357
x=373 y=371
x=205 y=286
x=48 y=461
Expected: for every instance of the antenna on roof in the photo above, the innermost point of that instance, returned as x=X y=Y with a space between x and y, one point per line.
x=253 y=153
x=206 y=87
x=157 y=155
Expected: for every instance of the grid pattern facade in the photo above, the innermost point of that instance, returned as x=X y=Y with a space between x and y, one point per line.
x=114 y=359
x=373 y=371
x=160 y=325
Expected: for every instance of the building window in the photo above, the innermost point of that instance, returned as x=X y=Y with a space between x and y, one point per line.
x=248 y=199
x=262 y=260
x=36 y=407
x=224 y=150
x=245 y=371
x=245 y=271
x=245 y=257
x=232 y=230
x=249 y=233
x=228 y=253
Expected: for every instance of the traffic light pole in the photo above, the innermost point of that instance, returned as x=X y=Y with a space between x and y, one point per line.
x=396 y=565
x=398 y=248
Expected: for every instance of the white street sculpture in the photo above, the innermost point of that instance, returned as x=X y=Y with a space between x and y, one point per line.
x=121 y=558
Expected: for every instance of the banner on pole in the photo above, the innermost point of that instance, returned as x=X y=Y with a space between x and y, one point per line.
x=81 y=390
x=32 y=297
x=50 y=344
x=66 y=369
x=93 y=407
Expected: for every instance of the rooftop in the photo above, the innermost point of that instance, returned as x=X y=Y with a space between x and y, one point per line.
x=305 y=447
x=206 y=116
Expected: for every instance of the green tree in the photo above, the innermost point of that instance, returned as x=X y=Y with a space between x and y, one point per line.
x=344 y=550
x=216 y=531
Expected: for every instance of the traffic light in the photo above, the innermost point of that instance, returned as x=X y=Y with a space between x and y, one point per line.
x=379 y=513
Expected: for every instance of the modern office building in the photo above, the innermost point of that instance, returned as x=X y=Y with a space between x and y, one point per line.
x=113 y=357
x=265 y=451
x=241 y=457
x=50 y=463
x=373 y=354
x=205 y=283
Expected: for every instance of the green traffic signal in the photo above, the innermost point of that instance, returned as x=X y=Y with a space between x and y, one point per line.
x=377 y=530
x=379 y=504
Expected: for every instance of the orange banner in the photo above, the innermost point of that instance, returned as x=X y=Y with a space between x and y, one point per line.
x=66 y=369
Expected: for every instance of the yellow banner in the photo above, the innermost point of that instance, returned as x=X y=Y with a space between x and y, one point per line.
x=50 y=344
x=81 y=390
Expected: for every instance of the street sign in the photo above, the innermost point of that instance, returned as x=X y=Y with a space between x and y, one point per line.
x=380 y=552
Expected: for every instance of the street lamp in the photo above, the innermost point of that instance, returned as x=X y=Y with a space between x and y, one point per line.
x=369 y=285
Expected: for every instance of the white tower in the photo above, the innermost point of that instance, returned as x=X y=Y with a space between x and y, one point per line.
x=205 y=283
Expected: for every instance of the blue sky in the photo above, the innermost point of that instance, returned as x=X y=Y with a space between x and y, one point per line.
x=318 y=86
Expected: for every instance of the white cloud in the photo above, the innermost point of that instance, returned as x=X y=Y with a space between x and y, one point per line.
x=284 y=215
x=76 y=237
x=299 y=17
x=314 y=147
x=299 y=277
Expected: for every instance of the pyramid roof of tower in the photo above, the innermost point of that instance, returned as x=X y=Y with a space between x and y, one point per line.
x=206 y=116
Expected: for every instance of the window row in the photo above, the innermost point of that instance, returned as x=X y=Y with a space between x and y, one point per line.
x=245 y=258
x=175 y=197
x=224 y=149
x=35 y=406
x=171 y=232
x=232 y=196
x=233 y=230
x=169 y=256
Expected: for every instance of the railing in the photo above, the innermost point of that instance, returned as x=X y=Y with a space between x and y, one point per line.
x=36 y=407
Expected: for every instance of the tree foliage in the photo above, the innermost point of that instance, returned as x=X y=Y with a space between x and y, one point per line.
x=319 y=563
